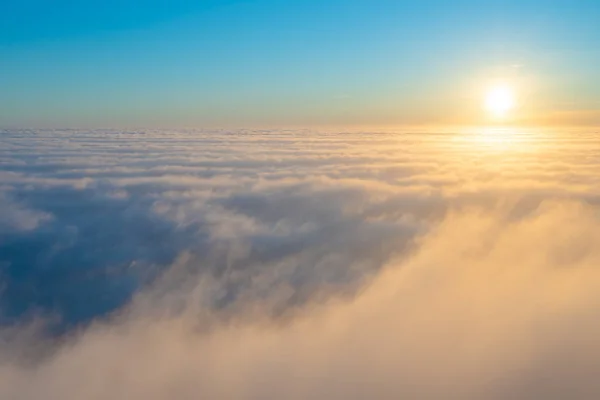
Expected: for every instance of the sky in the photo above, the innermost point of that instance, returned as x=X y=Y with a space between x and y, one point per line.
x=269 y=63
x=202 y=199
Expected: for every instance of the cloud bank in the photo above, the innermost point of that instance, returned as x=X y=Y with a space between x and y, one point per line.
x=299 y=264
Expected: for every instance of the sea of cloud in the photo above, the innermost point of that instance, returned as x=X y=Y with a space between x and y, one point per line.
x=152 y=265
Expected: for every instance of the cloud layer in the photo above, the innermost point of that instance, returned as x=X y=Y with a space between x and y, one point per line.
x=299 y=264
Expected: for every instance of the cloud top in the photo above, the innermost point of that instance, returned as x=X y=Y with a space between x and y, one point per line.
x=266 y=265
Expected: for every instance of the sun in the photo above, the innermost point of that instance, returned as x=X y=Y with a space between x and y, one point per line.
x=500 y=100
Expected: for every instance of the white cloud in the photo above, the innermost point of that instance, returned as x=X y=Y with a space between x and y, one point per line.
x=309 y=265
x=14 y=217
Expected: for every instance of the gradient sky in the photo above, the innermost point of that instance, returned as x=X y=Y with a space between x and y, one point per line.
x=112 y=63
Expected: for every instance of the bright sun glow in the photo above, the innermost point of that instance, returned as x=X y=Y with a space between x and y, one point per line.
x=500 y=100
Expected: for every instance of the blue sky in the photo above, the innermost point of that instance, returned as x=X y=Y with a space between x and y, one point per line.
x=282 y=63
